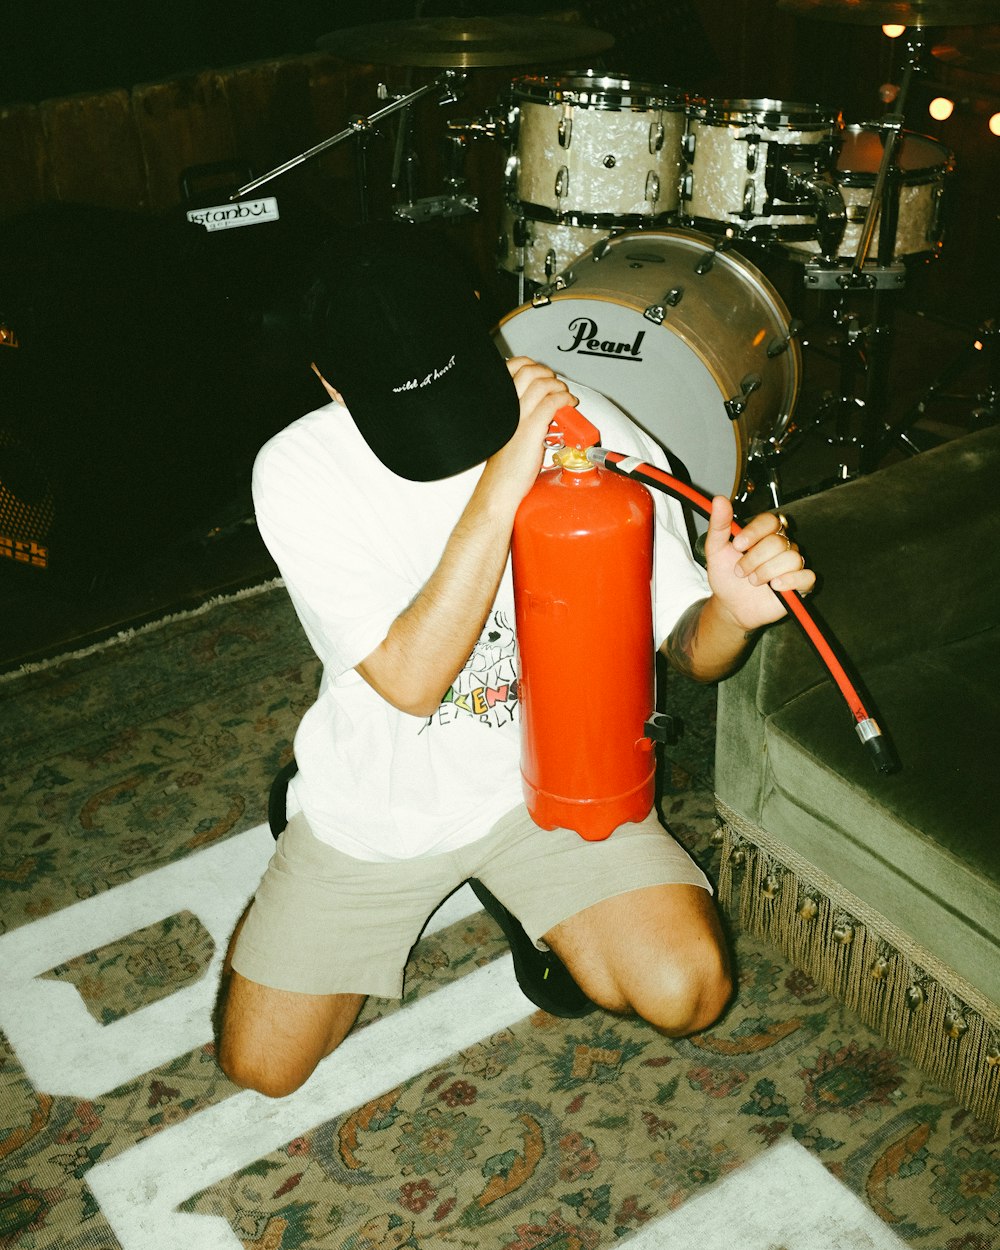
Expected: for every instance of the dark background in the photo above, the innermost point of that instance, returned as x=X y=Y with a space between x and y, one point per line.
x=153 y=374
x=60 y=47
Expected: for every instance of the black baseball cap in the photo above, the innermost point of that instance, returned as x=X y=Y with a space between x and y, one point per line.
x=393 y=323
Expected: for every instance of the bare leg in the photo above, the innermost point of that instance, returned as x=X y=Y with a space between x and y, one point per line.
x=271 y=1040
x=658 y=952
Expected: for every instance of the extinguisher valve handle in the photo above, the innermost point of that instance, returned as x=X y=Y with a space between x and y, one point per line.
x=570 y=428
x=662 y=727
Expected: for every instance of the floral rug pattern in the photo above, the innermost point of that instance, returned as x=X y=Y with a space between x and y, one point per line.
x=550 y=1135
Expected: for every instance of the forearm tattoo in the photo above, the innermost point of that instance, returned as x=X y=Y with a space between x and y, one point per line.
x=679 y=647
x=682 y=644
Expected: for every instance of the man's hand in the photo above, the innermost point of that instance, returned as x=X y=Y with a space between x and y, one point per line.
x=713 y=635
x=744 y=571
x=511 y=471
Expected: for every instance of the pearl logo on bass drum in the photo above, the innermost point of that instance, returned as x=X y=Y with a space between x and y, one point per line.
x=587 y=342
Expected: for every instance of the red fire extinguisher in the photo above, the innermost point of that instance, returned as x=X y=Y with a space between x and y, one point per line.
x=582 y=554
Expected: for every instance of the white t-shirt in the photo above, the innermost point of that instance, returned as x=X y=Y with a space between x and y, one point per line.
x=355 y=544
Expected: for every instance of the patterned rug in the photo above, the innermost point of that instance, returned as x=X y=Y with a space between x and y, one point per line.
x=134 y=789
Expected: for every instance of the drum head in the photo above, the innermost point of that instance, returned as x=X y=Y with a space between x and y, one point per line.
x=918 y=157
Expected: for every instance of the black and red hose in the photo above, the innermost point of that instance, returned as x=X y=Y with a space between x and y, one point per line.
x=867 y=728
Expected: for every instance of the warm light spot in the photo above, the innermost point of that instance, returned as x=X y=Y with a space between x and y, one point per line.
x=893 y=32
x=978 y=345
x=941 y=108
x=759 y=338
x=994 y=124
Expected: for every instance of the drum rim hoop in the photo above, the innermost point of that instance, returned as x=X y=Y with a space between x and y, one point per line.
x=764 y=111
x=911 y=177
x=608 y=92
x=593 y=221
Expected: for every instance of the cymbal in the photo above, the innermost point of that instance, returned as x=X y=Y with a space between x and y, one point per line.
x=896 y=12
x=452 y=42
x=979 y=57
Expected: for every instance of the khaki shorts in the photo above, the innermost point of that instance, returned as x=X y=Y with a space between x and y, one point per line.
x=325 y=923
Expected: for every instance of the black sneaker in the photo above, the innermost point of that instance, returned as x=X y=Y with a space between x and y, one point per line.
x=542 y=975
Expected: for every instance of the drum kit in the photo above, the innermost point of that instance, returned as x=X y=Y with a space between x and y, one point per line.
x=636 y=219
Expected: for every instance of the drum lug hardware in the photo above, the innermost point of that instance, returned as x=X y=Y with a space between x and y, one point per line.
x=655 y=137
x=565 y=131
x=777 y=346
x=657 y=312
x=687 y=186
x=562 y=182
x=736 y=406
x=708 y=260
x=688 y=145
x=550 y=262
x=749 y=199
x=601 y=249
x=544 y=294
x=610 y=161
x=753 y=143
x=652 y=187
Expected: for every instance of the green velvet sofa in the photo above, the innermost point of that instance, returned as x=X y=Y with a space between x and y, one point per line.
x=885 y=889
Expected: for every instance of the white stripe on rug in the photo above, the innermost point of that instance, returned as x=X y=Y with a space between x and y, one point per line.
x=785 y=1199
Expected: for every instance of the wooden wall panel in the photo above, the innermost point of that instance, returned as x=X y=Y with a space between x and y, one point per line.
x=181 y=123
x=23 y=165
x=93 y=152
x=339 y=91
x=270 y=111
x=127 y=150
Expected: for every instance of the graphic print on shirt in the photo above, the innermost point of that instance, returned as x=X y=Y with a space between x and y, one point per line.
x=487 y=686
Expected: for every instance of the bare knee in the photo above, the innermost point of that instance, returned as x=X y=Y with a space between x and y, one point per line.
x=687 y=998
x=265 y=1074
x=272 y=1040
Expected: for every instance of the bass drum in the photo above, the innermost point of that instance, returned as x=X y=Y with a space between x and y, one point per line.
x=691 y=341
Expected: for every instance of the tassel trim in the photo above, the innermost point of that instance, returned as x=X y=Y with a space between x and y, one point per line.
x=922 y=1008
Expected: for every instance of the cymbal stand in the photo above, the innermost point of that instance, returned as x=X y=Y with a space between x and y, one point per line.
x=455 y=202
x=871 y=343
x=359 y=128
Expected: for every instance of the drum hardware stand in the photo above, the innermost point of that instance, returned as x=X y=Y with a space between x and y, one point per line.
x=870 y=344
x=986 y=340
x=858 y=424
x=360 y=128
x=767 y=454
x=456 y=202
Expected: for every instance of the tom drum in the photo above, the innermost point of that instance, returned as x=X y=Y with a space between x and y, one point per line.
x=593 y=150
x=917 y=193
x=760 y=168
